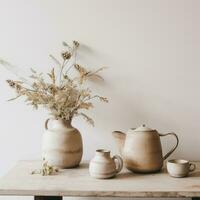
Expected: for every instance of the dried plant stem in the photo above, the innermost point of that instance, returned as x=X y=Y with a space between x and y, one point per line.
x=61 y=71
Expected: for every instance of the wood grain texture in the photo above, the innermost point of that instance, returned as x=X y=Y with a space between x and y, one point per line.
x=77 y=182
x=47 y=198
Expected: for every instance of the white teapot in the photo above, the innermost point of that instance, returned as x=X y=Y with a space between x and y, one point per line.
x=141 y=149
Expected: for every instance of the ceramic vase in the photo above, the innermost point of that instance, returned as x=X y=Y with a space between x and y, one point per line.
x=103 y=166
x=62 y=144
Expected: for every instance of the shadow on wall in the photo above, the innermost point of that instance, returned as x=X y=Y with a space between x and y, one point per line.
x=122 y=113
x=133 y=105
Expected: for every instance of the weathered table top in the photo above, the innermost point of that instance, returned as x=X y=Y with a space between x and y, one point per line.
x=77 y=182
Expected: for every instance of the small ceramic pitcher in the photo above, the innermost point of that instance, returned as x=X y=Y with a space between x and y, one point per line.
x=103 y=166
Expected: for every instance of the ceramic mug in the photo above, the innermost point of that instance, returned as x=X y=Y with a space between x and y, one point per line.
x=104 y=166
x=180 y=168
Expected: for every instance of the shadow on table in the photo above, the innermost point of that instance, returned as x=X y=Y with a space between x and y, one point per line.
x=195 y=174
x=125 y=175
x=129 y=174
x=83 y=165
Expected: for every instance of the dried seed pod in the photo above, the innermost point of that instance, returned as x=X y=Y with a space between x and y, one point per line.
x=66 y=55
x=76 y=44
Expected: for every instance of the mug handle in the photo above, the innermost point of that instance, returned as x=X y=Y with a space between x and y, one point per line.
x=192 y=167
x=119 y=163
x=173 y=149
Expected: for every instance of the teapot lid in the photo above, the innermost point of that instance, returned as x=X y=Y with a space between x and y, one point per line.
x=143 y=128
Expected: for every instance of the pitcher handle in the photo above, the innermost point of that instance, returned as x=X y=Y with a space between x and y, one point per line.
x=173 y=149
x=119 y=164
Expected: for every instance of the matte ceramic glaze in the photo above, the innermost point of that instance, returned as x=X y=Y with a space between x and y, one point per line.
x=62 y=144
x=180 y=168
x=141 y=149
x=103 y=166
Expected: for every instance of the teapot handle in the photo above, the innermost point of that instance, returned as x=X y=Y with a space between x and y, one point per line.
x=173 y=149
x=119 y=164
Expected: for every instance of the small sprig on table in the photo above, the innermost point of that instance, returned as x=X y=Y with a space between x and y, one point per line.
x=46 y=169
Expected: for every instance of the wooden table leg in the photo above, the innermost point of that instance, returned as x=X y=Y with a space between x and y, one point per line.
x=48 y=198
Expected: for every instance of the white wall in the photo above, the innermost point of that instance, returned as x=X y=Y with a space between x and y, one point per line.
x=150 y=46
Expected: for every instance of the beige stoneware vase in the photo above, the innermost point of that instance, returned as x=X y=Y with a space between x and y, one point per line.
x=102 y=166
x=141 y=149
x=62 y=144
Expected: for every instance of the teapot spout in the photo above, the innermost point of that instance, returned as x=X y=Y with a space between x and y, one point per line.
x=120 y=140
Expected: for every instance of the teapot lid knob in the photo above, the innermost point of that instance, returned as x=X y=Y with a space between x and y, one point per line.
x=143 y=128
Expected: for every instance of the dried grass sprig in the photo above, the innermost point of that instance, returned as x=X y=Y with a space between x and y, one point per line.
x=46 y=169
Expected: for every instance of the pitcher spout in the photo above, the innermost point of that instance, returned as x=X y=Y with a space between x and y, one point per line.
x=120 y=140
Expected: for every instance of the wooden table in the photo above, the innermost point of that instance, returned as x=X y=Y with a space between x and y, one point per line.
x=77 y=182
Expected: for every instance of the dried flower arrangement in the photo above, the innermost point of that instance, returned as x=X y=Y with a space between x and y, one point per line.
x=63 y=95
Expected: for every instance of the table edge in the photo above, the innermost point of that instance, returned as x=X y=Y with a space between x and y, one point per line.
x=135 y=194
